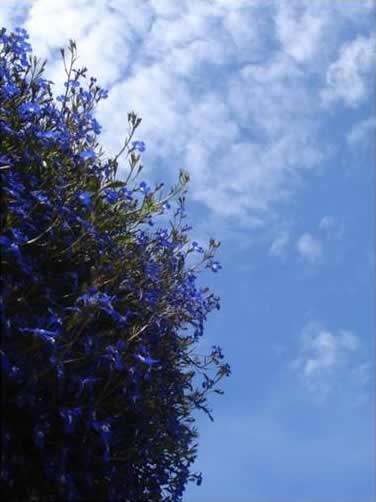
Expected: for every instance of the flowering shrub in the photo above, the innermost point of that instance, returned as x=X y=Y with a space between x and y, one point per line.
x=100 y=311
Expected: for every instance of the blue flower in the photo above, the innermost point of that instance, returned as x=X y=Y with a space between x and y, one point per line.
x=113 y=354
x=112 y=196
x=29 y=109
x=197 y=247
x=153 y=270
x=48 y=136
x=104 y=429
x=215 y=266
x=72 y=83
x=70 y=417
x=103 y=94
x=18 y=235
x=96 y=127
x=146 y=359
x=41 y=197
x=84 y=197
x=138 y=145
x=5 y=160
x=10 y=90
x=88 y=155
x=45 y=334
x=144 y=188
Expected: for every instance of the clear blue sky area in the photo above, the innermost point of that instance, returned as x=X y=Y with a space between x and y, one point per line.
x=270 y=105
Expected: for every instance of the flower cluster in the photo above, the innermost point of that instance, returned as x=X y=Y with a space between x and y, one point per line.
x=99 y=309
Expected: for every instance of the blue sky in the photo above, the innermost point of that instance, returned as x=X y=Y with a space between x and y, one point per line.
x=270 y=106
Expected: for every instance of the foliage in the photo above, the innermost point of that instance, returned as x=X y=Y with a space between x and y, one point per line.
x=100 y=311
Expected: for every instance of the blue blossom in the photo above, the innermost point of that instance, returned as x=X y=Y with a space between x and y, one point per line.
x=112 y=196
x=148 y=360
x=114 y=355
x=72 y=83
x=19 y=236
x=96 y=127
x=45 y=334
x=10 y=90
x=70 y=418
x=41 y=197
x=29 y=109
x=103 y=94
x=5 y=160
x=88 y=155
x=215 y=266
x=138 y=145
x=197 y=247
x=153 y=270
x=144 y=188
x=104 y=429
x=48 y=136
x=84 y=197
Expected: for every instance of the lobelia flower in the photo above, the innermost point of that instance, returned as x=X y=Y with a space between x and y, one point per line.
x=103 y=94
x=70 y=418
x=197 y=247
x=112 y=196
x=84 y=197
x=44 y=334
x=113 y=355
x=29 y=109
x=215 y=266
x=50 y=175
x=144 y=188
x=148 y=360
x=96 y=127
x=87 y=155
x=138 y=145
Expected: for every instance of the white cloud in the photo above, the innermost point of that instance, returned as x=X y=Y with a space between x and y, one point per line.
x=362 y=132
x=327 y=223
x=331 y=228
x=324 y=355
x=309 y=248
x=218 y=96
x=12 y=13
x=279 y=245
x=348 y=78
x=300 y=30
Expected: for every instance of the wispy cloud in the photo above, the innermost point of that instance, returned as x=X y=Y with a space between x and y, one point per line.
x=362 y=132
x=331 y=228
x=225 y=88
x=324 y=355
x=279 y=245
x=348 y=78
x=309 y=248
x=327 y=223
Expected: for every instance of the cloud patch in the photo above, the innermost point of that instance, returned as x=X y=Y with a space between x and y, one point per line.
x=325 y=357
x=279 y=245
x=348 y=78
x=309 y=248
x=362 y=132
x=227 y=90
